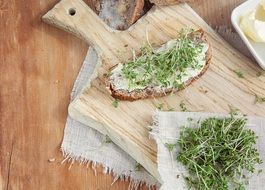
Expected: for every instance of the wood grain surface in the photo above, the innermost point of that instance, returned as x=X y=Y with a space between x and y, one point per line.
x=128 y=125
x=38 y=65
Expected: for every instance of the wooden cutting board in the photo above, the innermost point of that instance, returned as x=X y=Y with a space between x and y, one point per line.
x=128 y=124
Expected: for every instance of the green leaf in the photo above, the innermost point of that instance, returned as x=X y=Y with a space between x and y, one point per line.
x=160 y=106
x=138 y=167
x=170 y=147
x=107 y=140
x=183 y=107
x=239 y=73
x=259 y=99
x=115 y=103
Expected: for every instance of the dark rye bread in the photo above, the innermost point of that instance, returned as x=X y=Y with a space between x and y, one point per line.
x=120 y=14
x=149 y=92
x=130 y=11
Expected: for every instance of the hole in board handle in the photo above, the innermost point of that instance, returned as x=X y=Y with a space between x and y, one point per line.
x=72 y=11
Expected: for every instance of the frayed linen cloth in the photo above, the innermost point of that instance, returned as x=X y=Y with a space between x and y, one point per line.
x=167 y=129
x=86 y=145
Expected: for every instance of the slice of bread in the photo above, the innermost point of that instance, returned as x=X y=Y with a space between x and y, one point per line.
x=130 y=10
x=150 y=91
x=120 y=14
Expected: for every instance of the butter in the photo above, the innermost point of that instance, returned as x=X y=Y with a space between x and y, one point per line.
x=263 y=3
x=253 y=23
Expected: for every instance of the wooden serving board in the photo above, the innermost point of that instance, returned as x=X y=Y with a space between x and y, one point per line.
x=128 y=124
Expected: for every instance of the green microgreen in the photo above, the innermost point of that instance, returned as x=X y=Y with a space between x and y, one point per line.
x=239 y=73
x=108 y=74
x=233 y=111
x=165 y=68
x=106 y=140
x=171 y=109
x=138 y=167
x=218 y=153
x=170 y=146
x=259 y=99
x=160 y=106
x=260 y=171
x=115 y=103
x=183 y=107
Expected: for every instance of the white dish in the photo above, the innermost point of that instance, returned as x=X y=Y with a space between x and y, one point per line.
x=256 y=49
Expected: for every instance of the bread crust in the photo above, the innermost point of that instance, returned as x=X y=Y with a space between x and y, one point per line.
x=139 y=5
x=149 y=92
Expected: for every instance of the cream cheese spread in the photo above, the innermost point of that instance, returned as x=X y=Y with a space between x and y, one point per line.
x=121 y=83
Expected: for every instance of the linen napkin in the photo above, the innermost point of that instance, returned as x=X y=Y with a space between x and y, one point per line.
x=167 y=130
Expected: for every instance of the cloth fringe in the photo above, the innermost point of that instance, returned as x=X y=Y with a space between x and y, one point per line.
x=133 y=183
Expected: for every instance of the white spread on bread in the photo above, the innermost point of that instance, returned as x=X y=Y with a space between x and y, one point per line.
x=121 y=83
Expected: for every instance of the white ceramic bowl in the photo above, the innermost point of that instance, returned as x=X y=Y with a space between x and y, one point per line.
x=257 y=49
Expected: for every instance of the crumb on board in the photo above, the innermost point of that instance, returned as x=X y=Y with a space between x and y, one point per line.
x=203 y=90
x=51 y=160
x=56 y=82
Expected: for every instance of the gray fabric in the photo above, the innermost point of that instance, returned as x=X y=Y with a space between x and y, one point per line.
x=166 y=130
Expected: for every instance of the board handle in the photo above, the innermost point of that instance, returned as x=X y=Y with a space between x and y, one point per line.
x=77 y=18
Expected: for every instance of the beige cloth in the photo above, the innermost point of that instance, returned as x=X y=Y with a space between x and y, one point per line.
x=166 y=130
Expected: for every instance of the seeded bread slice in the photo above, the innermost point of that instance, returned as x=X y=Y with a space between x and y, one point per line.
x=150 y=92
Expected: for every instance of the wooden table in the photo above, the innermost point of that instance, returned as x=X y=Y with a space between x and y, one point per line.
x=38 y=65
